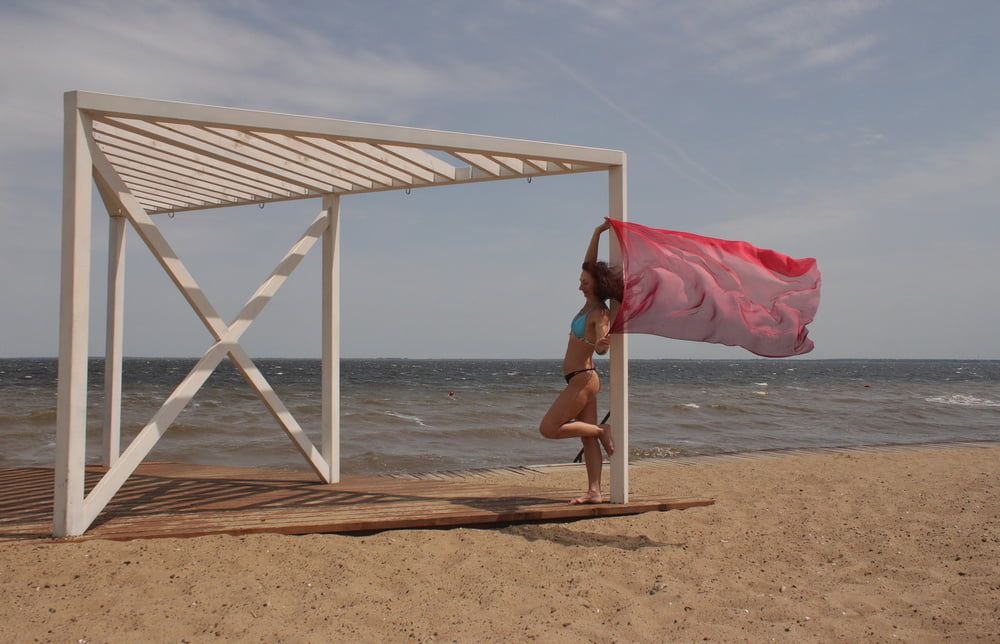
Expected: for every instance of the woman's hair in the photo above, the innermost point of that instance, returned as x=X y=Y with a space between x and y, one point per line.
x=608 y=281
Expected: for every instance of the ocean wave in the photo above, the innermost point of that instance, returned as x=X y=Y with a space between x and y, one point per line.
x=34 y=417
x=495 y=432
x=691 y=405
x=412 y=419
x=728 y=407
x=655 y=452
x=963 y=400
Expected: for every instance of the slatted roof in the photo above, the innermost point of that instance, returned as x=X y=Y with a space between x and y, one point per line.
x=177 y=157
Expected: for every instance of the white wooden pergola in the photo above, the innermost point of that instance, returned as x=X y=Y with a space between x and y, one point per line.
x=153 y=157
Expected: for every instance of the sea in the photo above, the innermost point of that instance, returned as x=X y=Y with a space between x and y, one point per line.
x=408 y=416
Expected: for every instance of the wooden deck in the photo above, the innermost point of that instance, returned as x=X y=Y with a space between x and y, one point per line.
x=174 y=500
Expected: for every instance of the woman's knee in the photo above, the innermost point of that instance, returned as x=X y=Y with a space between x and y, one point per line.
x=549 y=429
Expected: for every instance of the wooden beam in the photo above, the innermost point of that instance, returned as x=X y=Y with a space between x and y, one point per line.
x=462 y=175
x=177 y=201
x=417 y=173
x=514 y=165
x=74 y=319
x=181 y=175
x=152 y=205
x=317 y=158
x=215 y=144
x=330 y=302
x=480 y=161
x=114 y=336
x=206 y=195
x=386 y=174
x=248 y=120
x=276 y=155
x=218 y=156
x=162 y=202
x=422 y=159
x=618 y=209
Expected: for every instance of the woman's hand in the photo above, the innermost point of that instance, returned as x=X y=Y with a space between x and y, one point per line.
x=602 y=346
x=605 y=225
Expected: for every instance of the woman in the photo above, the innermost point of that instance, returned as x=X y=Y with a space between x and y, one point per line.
x=574 y=412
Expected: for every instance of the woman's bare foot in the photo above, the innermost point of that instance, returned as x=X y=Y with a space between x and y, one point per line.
x=589 y=497
x=606 y=441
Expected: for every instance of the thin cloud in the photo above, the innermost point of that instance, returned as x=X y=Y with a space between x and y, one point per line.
x=200 y=54
x=961 y=176
x=757 y=41
x=608 y=11
x=838 y=52
x=674 y=155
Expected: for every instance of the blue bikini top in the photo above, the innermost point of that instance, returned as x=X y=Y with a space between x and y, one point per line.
x=578 y=326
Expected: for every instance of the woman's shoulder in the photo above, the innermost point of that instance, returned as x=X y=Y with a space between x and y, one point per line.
x=600 y=310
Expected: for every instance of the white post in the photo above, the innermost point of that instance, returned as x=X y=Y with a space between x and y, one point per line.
x=618 y=209
x=74 y=313
x=330 y=422
x=111 y=443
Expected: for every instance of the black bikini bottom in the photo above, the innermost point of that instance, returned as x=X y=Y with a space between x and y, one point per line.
x=569 y=376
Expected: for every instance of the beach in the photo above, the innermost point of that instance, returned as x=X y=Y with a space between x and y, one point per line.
x=880 y=545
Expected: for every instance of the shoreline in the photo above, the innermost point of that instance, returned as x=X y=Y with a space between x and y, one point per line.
x=879 y=545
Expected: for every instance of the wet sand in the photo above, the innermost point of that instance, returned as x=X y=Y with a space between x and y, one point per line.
x=862 y=546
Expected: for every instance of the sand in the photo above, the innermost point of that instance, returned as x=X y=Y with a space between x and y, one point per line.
x=865 y=546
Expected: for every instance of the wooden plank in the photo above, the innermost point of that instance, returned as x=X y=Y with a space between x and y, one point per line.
x=417 y=173
x=189 y=179
x=386 y=174
x=134 y=177
x=341 y=167
x=463 y=175
x=177 y=500
x=422 y=159
x=515 y=165
x=276 y=155
x=480 y=161
x=162 y=196
x=226 y=154
x=160 y=154
x=216 y=143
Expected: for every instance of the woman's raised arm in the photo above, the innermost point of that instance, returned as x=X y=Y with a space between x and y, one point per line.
x=595 y=239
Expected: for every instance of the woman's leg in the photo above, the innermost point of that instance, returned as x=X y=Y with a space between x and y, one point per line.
x=561 y=421
x=592 y=457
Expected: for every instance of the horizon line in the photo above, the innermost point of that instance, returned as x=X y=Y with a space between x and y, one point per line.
x=599 y=359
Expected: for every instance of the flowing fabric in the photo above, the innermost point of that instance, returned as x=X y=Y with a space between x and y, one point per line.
x=689 y=287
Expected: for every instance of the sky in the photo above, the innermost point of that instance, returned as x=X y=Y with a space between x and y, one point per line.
x=864 y=134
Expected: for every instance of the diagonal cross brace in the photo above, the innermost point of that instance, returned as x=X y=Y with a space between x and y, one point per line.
x=117 y=195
